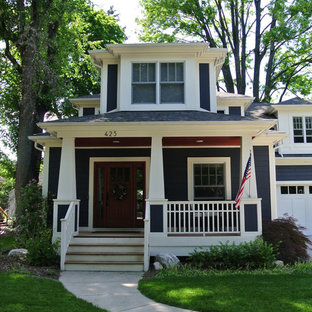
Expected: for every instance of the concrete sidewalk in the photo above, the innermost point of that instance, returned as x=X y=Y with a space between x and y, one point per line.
x=113 y=291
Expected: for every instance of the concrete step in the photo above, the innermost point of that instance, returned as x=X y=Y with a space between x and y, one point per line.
x=117 y=266
x=105 y=256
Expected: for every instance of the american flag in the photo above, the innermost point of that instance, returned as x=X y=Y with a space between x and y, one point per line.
x=246 y=176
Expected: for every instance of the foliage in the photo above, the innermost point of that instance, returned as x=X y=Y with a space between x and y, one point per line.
x=187 y=270
x=44 y=61
x=266 y=36
x=40 y=250
x=7 y=243
x=287 y=237
x=33 y=294
x=32 y=229
x=239 y=291
x=249 y=255
x=5 y=188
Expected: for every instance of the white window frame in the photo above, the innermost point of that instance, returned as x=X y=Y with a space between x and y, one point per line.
x=304 y=129
x=158 y=82
x=226 y=161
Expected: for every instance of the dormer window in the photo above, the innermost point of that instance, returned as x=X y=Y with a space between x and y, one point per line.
x=302 y=129
x=157 y=83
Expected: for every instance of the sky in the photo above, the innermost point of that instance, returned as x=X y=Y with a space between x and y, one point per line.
x=128 y=11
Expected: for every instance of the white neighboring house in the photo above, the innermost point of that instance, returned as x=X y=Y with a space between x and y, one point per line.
x=293 y=157
x=153 y=163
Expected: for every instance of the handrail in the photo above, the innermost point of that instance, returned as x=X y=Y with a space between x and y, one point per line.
x=146 y=236
x=4 y=213
x=68 y=229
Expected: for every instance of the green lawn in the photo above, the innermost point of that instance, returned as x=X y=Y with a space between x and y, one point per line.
x=233 y=292
x=23 y=293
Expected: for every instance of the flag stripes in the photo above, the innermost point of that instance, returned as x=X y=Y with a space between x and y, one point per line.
x=246 y=176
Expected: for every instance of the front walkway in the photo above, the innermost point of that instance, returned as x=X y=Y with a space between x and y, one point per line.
x=113 y=291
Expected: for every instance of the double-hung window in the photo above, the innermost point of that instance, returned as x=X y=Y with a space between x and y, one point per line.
x=158 y=83
x=209 y=178
x=302 y=129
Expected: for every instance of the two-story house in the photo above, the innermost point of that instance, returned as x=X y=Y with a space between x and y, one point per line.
x=153 y=163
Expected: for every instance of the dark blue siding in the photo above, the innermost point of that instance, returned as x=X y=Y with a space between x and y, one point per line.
x=175 y=168
x=261 y=154
x=112 y=72
x=88 y=111
x=251 y=219
x=294 y=173
x=54 y=169
x=157 y=218
x=61 y=213
x=235 y=110
x=204 y=86
x=82 y=170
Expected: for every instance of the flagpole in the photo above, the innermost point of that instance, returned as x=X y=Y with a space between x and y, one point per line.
x=249 y=179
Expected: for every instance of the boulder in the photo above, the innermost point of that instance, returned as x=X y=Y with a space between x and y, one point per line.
x=279 y=263
x=18 y=253
x=167 y=260
x=157 y=266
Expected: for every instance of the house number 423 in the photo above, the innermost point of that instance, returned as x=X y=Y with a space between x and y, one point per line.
x=112 y=133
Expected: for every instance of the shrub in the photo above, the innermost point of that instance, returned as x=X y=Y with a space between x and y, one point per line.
x=249 y=255
x=290 y=243
x=5 y=188
x=32 y=229
x=41 y=251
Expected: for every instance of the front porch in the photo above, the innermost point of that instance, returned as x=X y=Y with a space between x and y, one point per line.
x=169 y=226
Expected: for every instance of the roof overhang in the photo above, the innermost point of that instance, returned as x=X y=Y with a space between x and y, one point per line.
x=289 y=108
x=177 y=128
x=270 y=137
x=230 y=99
x=45 y=140
x=199 y=50
x=85 y=102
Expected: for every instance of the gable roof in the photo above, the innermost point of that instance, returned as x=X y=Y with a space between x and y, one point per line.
x=295 y=101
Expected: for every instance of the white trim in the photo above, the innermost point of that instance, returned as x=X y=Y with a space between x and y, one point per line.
x=93 y=160
x=290 y=183
x=45 y=172
x=272 y=171
x=297 y=161
x=209 y=160
x=103 y=95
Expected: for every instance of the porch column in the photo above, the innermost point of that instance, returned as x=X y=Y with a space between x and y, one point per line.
x=156 y=179
x=103 y=95
x=250 y=190
x=67 y=178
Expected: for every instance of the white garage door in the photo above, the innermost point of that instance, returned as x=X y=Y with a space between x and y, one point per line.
x=296 y=201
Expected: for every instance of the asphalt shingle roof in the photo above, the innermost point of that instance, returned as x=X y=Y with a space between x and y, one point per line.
x=295 y=101
x=154 y=116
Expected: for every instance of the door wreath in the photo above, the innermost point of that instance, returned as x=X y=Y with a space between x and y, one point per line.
x=120 y=192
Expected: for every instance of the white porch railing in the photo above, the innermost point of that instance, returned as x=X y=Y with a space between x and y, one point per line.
x=146 y=236
x=197 y=217
x=69 y=228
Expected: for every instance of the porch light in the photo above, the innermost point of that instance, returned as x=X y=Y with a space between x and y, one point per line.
x=116 y=141
x=199 y=141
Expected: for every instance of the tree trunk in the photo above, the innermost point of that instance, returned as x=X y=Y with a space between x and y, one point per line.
x=28 y=158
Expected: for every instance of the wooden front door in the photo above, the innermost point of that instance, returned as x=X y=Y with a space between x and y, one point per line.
x=119 y=194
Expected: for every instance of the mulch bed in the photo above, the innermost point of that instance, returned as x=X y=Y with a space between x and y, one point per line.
x=19 y=265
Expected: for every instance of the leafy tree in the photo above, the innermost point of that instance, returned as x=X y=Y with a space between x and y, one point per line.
x=270 y=35
x=44 y=61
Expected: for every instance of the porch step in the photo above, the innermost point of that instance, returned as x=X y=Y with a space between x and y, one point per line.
x=106 y=252
x=105 y=256
x=119 y=266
